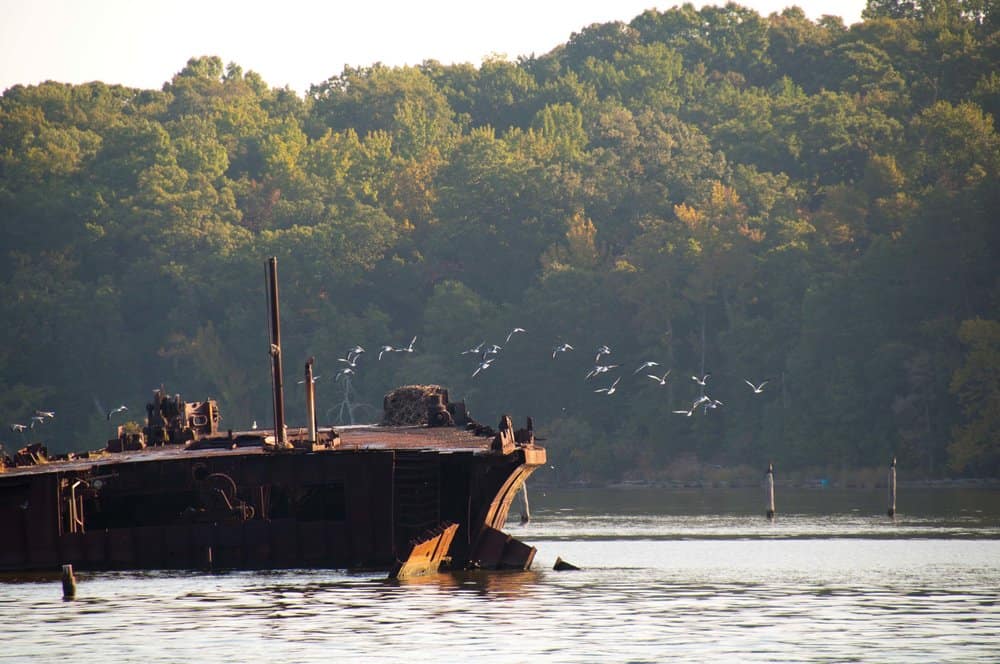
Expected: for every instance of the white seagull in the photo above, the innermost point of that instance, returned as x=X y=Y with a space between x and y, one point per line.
x=384 y=349
x=408 y=349
x=493 y=349
x=346 y=371
x=36 y=419
x=45 y=413
x=701 y=381
x=485 y=364
x=19 y=428
x=645 y=365
x=688 y=413
x=561 y=348
x=662 y=380
x=757 y=389
x=475 y=350
x=609 y=390
x=601 y=350
x=513 y=332
x=120 y=409
x=710 y=403
x=599 y=369
x=350 y=360
x=303 y=381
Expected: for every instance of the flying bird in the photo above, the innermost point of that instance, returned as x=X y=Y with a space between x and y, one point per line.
x=303 y=381
x=662 y=380
x=384 y=349
x=45 y=413
x=350 y=360
x=346 y=371
x=599 y=369
x=19 y=428
x=475 y=350
x=609 y=390
x=601 y=350
x=701 y=381
x=493 y=349
x=483 y=366
x=710 y=403
x=687 y=413
x=561 y=348
x=120 y=409
x=645 y=365
x=757 y=389
x=513 y=332
x=408 y=349
x=36 y=419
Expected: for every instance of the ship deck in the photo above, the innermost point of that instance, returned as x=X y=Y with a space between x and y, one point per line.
x=356 y=438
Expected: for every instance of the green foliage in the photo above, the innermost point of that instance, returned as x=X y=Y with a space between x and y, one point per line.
x=762 y=198
x=977 y=385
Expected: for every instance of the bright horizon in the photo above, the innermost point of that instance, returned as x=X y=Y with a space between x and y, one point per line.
x=143 y=44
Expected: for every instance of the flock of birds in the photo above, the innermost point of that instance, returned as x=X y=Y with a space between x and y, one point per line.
x=41 y=416
x=485 y=355
x=38 y=418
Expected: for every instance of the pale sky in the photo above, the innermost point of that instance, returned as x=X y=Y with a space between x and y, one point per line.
x=143 y=43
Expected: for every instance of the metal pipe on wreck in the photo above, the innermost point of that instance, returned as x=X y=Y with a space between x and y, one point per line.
x=276 y=371
x=311 y=400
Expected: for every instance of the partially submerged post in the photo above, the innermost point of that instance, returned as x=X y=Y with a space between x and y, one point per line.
x=563 y=566
x=526 y=514
x=892 y=489
x=280 y=437
x=769 y=490
x=68 y=582
x=310 y=400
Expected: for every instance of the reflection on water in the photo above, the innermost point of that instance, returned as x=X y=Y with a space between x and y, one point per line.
x=719 y=585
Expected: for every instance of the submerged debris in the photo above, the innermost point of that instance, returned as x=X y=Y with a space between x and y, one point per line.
x=563 y=566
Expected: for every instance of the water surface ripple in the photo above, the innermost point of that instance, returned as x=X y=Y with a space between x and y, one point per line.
x=655 y=585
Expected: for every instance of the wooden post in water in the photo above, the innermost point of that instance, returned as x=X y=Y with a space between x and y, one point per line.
x=892 y=489
x=769 y=490
x=68 y=582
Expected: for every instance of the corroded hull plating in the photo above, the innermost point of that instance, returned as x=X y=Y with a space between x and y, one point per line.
x=366 y=503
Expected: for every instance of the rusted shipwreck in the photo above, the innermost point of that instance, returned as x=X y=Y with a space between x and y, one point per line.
x=183 y=494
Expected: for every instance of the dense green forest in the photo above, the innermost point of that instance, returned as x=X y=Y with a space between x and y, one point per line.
x=759 y=198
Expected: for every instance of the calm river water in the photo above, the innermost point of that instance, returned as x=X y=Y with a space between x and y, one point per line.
x=667 y=575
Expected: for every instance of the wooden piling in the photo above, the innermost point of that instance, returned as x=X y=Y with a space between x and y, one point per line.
x=769 y=490
x=68 y=582
x=892 y=489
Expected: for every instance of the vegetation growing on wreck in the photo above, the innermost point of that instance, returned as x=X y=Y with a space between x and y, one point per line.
x=758 y=197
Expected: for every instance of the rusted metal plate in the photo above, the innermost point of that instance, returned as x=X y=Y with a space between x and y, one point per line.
x=427 y=553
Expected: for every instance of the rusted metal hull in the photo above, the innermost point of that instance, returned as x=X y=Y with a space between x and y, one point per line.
x=355 y=506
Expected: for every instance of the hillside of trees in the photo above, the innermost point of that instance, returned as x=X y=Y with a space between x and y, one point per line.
x=759 y=198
